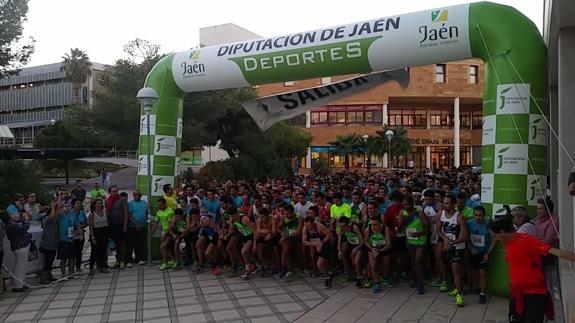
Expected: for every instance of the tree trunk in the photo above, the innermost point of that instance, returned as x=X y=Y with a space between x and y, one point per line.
x=66 y=168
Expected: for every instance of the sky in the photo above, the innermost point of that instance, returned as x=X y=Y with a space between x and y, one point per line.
x=102 y=27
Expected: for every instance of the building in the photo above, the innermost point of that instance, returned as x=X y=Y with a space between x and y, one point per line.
x=37 y=95
x=427 y=108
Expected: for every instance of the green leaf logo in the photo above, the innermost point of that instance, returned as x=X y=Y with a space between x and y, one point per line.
x=505 y=90
x=534 y=182
x=159 y=180
x=161 y=139
x=537 y=121
x=195 y=54
x=501 y=210
x=504 y=150
x=434 y=15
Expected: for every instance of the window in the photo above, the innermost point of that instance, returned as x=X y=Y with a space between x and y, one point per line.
x=408 y=117
x=473 y=74
x=355 y=117
x=289 y=83
x=465 y=120
x=325 y=80
x=353 y=114
x=440 y=73
x=477 y=119
x=318 y=117
x=441 y=118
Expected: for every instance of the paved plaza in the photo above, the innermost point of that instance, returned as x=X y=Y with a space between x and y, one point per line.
x=145 y=294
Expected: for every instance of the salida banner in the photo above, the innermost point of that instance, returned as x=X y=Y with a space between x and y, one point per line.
x=369 y=46
x=267 y=111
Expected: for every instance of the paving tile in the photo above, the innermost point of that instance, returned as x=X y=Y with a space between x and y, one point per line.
x=155 y=313
x=216 y=297
x=23 y=307
x=299 y=288
x=214 y=306
x=181 y=279
x=56 y=313
x=124 y=298
x=154 y=288
x=156 y=303
x=289 y=307
x=293 y=316
x=131 y=284
x=126 y=291
x=212 y=290
x=67 y=296
x=37 y=298
x=308 y=295
x=239 y=286
x=96 y=293
x=272 y=291
x=88 y=319
x=251 y=301
x=186 y=300
x=122 y=316
x=225 y=315
x=56 y=320
x=181 y=286
x=196 y=318
x=266 y=319
x=313 y=303
x=96 y=309
x=244 y=293
x=184 y=292
x=283 y=298
x=70 y=289
x=150 y=296
x=189 y=309
x=258 y=311
x=93 y=301
x=122 y=307
x=158 y=320
x=24 y=316
x=95 y=287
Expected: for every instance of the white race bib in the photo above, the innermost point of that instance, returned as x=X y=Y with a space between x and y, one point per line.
x=450 y=236
x=378 y=244
x=353 y=240
x=411 y=233
x=477 y=240
x=70 y=232
x=291 y=231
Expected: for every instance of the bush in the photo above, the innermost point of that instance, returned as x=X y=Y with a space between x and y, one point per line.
x=16 y=177
x=320 y=166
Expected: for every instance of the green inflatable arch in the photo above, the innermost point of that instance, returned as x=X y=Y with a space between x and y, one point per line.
x=515 y=139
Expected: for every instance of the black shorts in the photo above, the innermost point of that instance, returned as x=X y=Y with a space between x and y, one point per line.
x=211 y=238
x=325 y=251
x=384 y=253
x=294 y=240
x=117 y=234
x=271 y=242
x=456 y=256
x=399 y=244
x=65 y=250
x=477 y=261
x=243 y=239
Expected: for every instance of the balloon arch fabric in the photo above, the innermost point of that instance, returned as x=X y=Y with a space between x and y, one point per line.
x=515 y=137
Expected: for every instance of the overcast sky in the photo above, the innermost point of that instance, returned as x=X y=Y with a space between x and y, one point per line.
x=102 y=27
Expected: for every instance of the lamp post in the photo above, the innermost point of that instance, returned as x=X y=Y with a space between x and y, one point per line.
x=148 y=97
x=365 y=137
x=389 y=136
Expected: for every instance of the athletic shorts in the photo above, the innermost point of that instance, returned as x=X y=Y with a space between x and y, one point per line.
x=399 y=244
x=415 y=246
x=456 y=256
x=212 y=238
x=243 y=239
x=192 y=237
x=325 y=250
x=116 y=233
x=273 y=241
x=477 y=261
x=385 y=253
x=294 y=240
x=65 y=250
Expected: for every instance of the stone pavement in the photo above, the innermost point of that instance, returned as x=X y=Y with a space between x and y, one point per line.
x=145 y=294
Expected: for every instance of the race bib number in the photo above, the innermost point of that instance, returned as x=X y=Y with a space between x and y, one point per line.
x=291 y=231
x=378 y=244
x=411 y=233
x=478 y=240
x=70 y=232
x=353 y=240
x=450 y=236
x=314 y=239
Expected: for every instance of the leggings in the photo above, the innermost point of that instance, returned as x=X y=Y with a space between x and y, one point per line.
x=99 y=253
x=49 y=256
x=78 y=250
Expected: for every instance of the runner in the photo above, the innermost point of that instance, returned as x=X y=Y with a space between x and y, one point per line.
x=164 y=217
x=319 y=238
x=377 y=238
x=245 y=232
x=267 y=241
x=178 y=229
x=453 y=231
x=415 y=222
x=291 y=230
x=480 y=248
x=350 y=243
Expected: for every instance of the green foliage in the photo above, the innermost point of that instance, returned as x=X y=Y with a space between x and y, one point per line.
x=320 y=166
x=346 y=145
x=400 y=144
x=77 y=68
x=56 y=168
x=17 y=177
x=13 y=53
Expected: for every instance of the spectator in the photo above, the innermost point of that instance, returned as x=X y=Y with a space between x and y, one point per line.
x=19 y=237
x=547 y=223
x=67 y=224
x=97 y=192
x=521 y=221
x=117 y=210
x=32 y=207
x=49 y=244
x=79 y=192
x=17 y=206
x=170 y=196
x=99 y=236
x=79 y=240
x=137 y=228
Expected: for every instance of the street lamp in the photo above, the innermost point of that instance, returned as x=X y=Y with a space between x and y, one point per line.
x=365 y=137
x=389 y=136
x=147 y=98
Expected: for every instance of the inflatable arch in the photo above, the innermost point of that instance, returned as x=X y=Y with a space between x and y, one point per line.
x=515 y=139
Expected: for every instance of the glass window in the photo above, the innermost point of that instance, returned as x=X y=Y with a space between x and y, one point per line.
x=440 y=73
x=477 y=119
x=465 y=120
x=318 y=117
x=473 y=74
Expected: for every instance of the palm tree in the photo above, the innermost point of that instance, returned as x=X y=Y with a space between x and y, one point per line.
x=346 y=145
x=400 y=144
x=77 y=67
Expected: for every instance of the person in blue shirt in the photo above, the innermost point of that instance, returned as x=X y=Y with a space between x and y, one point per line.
x=212 y=206
x=17 y=206
x=480 y=247
x=79 y=239
x=67 y=225
x=137 y=229
x=184 y=205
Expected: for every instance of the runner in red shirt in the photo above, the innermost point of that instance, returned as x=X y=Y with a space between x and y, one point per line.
x=399 y=254
x=529 y=295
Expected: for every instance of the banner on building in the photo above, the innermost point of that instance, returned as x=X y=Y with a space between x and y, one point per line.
x=269 y=110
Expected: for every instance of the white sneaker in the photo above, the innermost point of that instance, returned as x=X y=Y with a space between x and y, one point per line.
x=129 y=265
x=141 y=263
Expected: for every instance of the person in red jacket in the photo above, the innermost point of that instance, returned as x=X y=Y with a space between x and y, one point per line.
x=529 y=295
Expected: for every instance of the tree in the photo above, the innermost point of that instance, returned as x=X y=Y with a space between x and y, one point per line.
x=18 y=177
x=346 y=145
x=13 y=52
x=77 y=67
x=400 y=144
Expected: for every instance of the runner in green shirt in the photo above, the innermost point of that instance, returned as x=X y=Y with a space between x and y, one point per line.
x=97 y=192
x=338 y=209
x=163 y=218
x=460 y=206
x=414 y=220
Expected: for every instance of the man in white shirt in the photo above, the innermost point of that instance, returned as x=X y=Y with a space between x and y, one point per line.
x=303 y=205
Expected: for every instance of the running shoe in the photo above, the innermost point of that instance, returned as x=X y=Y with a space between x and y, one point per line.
x=376 y=289
x=116 y=265
x=454 y=292
x=420 y=289
x=345 y=279
x=482 y=298
x=233 y=272
x=288 y=277
x=216 y=271
x=367 y=283
x=122 y=266
x=328 y=281
x=358 y=283
x=164 y=266
x=444 y=287
x=436 y=283
x=246 y=275
x=459 y=300
x=175 y=264
x=387 y=282
x=141 y=263
x=129 y=265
